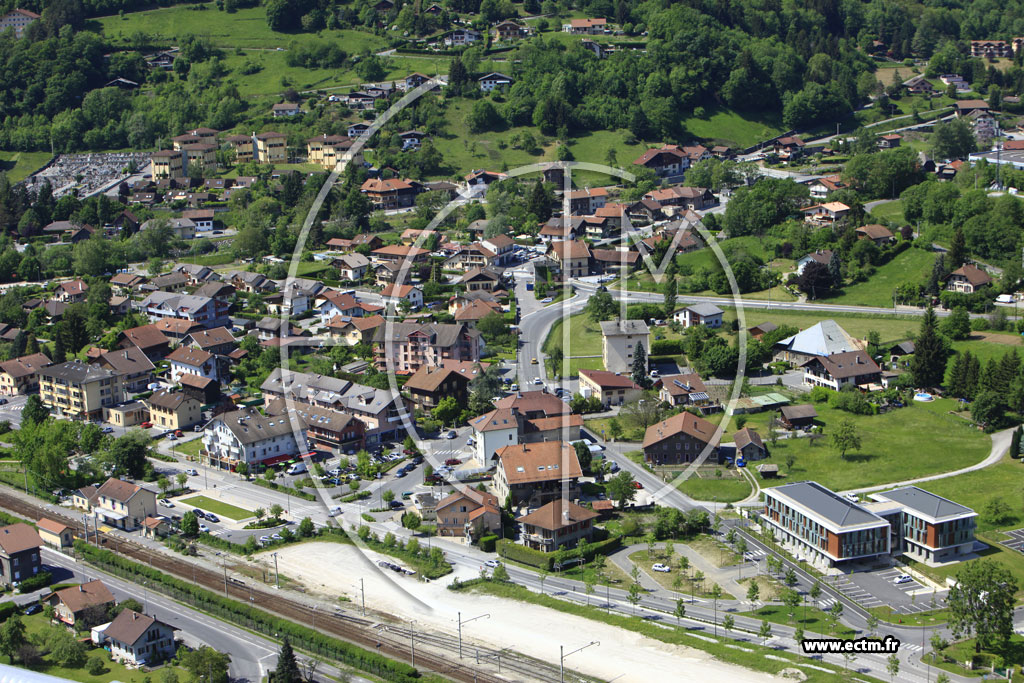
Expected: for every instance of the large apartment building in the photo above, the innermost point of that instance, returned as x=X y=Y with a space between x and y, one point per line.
x=830 y=529
x=822 y=526
x=619 y=342
x=411 y=346
x=77 y=389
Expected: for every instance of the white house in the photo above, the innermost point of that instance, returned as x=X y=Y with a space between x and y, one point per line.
x=708 y=315
x=493 y=431
x=286 y=109
x=248 y=436
x=335 y=304
x=495 y=80
x=462 y=36
x=357 y=129
x=620 y=339
x=395 y=294
x=136 y=639
x=186 y=360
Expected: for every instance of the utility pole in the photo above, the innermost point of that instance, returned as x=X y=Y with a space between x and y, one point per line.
x=461 y=622
x=562 y=656
x=225 y=566
x=362 y=592
x=412 y=641
x=277 y=577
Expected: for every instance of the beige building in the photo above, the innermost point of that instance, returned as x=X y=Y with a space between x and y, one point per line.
x=21 y=375
x=270 y=148
x=123 y=504
x=536 y=473
x=55 y=534
x=619 y=342
x=573 y=257
x=127 y=414
x=174 y=410
x=611 y=388
x=200 y=155
x=328 y=150
x=168 y=163
x=77 y=389
x=17 y=20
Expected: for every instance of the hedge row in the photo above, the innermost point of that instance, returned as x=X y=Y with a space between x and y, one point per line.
x=277 y=487
x=666 y=347
x=248 y=616
x=34 y=583
x=487 y=543
x=542 y=560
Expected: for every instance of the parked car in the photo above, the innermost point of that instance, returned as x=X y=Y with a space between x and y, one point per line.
x=212 y=517
x=659 y=567
x=452 y=462
x=178 y=433
x=197 y=428
x=172 y=437
x=902 y=578
x=451 y=434
x=146 y=425
x=264 y=540
x=637 y=485
x=277 y=537
x=203 y=529
x=192 y=472
x=107 y=430
x=166 y=503
x=199 y=513
x=400 y=473
x=491 y=563
x=34 y=608
x=396 y=504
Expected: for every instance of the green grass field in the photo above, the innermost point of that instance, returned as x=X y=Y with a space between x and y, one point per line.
x=666 y=579
x=246 y=28
x=724 y=490
x=722 y=125
x=268 y=81
x=890 y=211
x=218 y=507
x=891 y=328
x=584 y=337
x=593 y=147
x=464 y=152
x=913 y=265
x=19 y=165
x=812 y=619
x=902 y=444
x=979 y=488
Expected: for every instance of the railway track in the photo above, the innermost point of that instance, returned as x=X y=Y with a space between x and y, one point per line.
x=376 y=637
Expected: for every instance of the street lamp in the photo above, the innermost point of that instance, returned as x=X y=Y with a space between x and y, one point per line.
x=563 y=655
x=461 y=622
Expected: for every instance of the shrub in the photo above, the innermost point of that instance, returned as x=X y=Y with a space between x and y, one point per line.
x=34 y=583
x=95 y=666
x=487 y=543
x=666 y=347
x=820 y=394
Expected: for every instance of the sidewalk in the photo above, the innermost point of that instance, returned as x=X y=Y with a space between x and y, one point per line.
x=724 y=577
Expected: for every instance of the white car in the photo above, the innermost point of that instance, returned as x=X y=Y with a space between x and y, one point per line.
x=902 y=578
x=538 y=380
x=192 y=472
x=514 y=387
x=492 y=563
x=659 y=567
x=166 y=503
x=203 y=529
x=547 y=300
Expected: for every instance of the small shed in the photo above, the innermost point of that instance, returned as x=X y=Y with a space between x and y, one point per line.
x=768 y=471
x=795 y=417
x=55 y=534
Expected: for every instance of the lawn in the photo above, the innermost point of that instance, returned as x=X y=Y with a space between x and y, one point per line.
x=275 y=70
x=714 y=551
x=727 y=489
x=667 y=579
x=218 y=507
x=584 y=337
x=913 y=265
x=594 y=147
x=812 y=619
x=890 y=211
x=463 y=151
x=246 y=28
x=189 y=447
x=19 y=165
x=977 y=489
x=902 y=444
x=724 y=126
x=891 y=327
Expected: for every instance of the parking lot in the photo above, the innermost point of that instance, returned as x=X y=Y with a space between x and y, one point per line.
x=1016 y=541
x=879 y=589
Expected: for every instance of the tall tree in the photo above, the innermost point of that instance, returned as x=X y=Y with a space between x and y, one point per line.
x=670 y=288
x=845 y=437
x=834 y=272
x=957 y=250
x=640 y=372
x=34 y=412
x=981 y=603
x=287 y=669
x=929 y=363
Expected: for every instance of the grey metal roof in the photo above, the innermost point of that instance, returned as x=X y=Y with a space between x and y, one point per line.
x=76 y=371
x=925 y=502
x=823 y=339
x=828 y=505
x=704 y=310
x=611 y=328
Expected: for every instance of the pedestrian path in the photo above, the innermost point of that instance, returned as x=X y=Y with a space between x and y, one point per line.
x=723 y=576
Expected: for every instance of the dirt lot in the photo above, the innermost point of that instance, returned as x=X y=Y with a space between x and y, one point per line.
x=331 y=569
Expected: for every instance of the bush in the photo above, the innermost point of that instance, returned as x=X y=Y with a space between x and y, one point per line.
x=820 y=394
x=666 y=347
x=7 y=609
x=979 y=325
x=487 y=543
x=528 y=556
x=95 y=666
x=34 y=583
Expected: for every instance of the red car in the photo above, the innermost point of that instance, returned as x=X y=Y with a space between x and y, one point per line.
x=177 y=433
x=637 y=485
x=452 y=461
x=146 y=425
